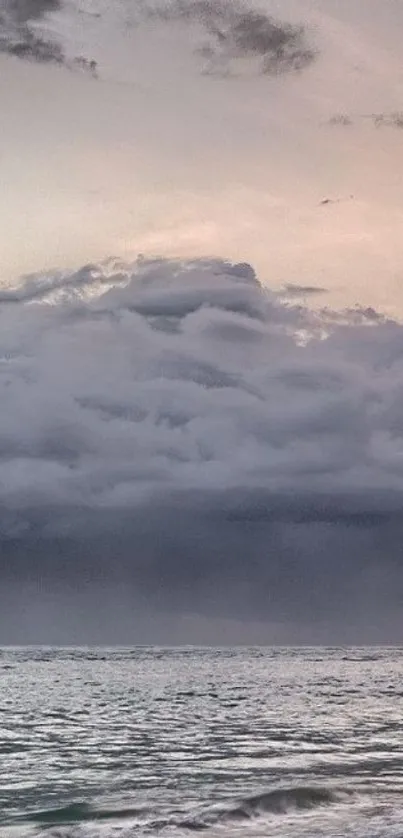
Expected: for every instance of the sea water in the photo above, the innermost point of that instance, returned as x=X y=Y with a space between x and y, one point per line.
x=168 y=742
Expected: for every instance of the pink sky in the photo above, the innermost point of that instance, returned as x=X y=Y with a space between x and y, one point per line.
x=156 y=157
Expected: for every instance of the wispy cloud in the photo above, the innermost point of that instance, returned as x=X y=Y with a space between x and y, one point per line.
x=236 y=31
x=20 y=38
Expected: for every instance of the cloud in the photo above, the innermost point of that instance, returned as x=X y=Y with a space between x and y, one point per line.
x=341 y=119
x=24 y=11
x=40 y=286
x=388 y=120
x=20 y=37
x=378 y=120
x=236 y=31
x=292 y=289
x=176 y=428
x=281 y=46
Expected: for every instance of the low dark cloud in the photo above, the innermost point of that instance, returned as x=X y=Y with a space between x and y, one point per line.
x=179 y=433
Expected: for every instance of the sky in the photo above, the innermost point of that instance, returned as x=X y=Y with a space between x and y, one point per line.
x=185 y=147
x=201 y=425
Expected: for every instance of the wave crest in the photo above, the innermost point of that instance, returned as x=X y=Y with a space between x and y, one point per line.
x=283 y=800
x=279 y=801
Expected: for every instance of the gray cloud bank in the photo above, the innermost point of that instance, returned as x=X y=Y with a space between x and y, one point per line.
x=176 y=439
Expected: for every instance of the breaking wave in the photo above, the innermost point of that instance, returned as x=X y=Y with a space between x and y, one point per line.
x=283 y=800
x=83 y=812
x=280 y=801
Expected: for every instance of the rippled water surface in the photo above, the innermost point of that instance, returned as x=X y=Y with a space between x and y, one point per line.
x=247 y=742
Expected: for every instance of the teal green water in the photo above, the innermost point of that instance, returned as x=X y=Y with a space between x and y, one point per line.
x=153 y=741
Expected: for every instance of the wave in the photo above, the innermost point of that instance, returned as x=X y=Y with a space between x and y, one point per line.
x=279 y=801
x=79 y=812
x=283 y=800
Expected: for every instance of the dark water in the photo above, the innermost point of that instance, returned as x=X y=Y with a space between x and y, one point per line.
x=168 y=742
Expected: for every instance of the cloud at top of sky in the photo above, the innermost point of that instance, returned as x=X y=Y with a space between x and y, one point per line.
x=236 y=31
x=233 y=30
x=20 y=37
x=26 y=10
x=176 y=427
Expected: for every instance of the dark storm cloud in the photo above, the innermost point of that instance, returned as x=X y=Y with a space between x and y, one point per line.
x=178 y=429
x=236 y=31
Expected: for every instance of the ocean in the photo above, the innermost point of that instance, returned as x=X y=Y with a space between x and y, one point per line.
x=102 y=743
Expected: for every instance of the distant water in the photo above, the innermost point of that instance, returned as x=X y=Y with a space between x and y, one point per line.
x=228 y=742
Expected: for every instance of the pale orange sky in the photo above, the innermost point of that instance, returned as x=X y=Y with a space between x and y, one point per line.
x=155 y=157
